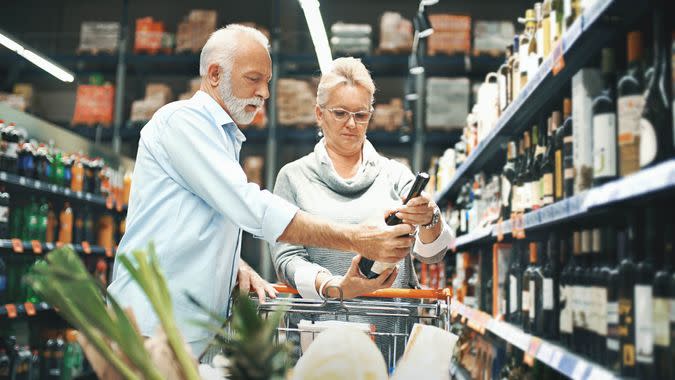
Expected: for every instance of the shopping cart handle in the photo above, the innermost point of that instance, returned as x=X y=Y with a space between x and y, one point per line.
x=388 y=293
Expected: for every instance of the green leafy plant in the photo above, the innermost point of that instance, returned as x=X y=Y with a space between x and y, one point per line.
x=250 y=343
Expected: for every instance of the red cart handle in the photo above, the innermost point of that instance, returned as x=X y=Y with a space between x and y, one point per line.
x=388 y=293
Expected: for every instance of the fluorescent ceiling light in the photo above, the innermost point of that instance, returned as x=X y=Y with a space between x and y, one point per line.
x=35 y=58
x=318 y=33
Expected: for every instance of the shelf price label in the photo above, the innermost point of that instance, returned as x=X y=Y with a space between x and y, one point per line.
x=17 y=245
x=30 y=308
x=37 y=247
x=86 y=248
x=37 y=185
x=3 y=176
x=11 y=311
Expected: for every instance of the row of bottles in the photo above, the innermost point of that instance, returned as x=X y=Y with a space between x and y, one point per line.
x=611 y=123
x=43 y=162
x=56 y=359
x=606 y=292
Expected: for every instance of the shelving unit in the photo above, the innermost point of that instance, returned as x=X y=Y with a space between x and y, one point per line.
x=588 y=33
x=654 y=181
x=548 y=353
x=23 y=310
x=40 y=248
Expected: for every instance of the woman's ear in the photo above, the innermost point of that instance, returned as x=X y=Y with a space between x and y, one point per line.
x=319 y=114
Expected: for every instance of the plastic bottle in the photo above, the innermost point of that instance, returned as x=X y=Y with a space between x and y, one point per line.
x=77 y=175
x=52 y=225
x=43 y=220
x=31 y=227
x=72 y=357
x=66 y=224
x=4 y=215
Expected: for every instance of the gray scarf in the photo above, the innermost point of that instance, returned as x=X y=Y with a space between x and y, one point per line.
x=365 y=176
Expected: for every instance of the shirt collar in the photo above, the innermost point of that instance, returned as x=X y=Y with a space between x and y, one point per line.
x=218 y=113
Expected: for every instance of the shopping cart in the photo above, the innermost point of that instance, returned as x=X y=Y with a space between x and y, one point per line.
x=303 y=318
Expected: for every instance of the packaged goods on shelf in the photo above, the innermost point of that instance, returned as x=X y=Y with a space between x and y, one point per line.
x=94 y=104
x=396 y=34
x=195 y=30
x=388 y=116
x=96 y=37
x=447 y=102
x=295 y=102
x=350 y=38
x=490 y=37
x=156 y=95
x=151 y=37
x=452 y=34
x=253 y=167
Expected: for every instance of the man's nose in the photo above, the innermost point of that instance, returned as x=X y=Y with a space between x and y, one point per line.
x=263 y=91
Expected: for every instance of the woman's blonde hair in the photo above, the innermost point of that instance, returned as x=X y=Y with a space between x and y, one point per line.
x=344 y=71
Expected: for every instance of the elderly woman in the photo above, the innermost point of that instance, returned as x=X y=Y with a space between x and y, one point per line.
x=346 y=180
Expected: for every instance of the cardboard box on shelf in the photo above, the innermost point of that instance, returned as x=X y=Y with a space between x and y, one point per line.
x=156 y=96
x=94 y=105
x=452 y=34
x=447 y=103
x=195 y=30
x=295 y=102
x=99 y=37
x=149 y=36
x=490 y=37
x=388 y=117
x=396 y=34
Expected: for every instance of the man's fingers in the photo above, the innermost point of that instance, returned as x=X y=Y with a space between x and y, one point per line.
x=384 y=276
x=404 y=242
x=245 y=283
x=390 y=280
x=271 y=291
x=401 y=229
x=353 y=270
x=261 y=293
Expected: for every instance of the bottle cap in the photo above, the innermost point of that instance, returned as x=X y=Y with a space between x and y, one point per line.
x=634 y=46
x=71 y=335
x=533 y=253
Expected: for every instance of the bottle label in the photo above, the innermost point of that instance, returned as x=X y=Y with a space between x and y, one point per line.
x=648 y=142
x=379 y=267
x=625 y=331
x=661 y=322
x=601 y=314
x=558 y=174
x=535 y=195
x=525 y=302
x=574 y=300
x=513 y=294
x=612 y=313
x=548 y=188
x=604 y=145
x=568 y=157
x=629 y=109
x=501 y=83
x=547 y=292
x=505 y=191
x=565 y=310
x=527 y=195
x=532 y=293
x=4 y=214
x=613 y=344
x=12 y=150
x=644 y=334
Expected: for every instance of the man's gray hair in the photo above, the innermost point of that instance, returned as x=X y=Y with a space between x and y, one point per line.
x=223 y=43
x=344 y=71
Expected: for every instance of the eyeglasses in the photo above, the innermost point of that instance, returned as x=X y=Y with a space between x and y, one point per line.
x=341 y=115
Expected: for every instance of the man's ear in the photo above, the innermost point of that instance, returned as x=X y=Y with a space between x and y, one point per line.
x=214 y=75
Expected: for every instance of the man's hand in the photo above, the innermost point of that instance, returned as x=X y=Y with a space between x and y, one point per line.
x=389 y=244
x=354 y=284
x=249 y=280
x=419 y=211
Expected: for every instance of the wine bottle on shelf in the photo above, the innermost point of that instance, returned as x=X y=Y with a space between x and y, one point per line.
x=588 y=306
x=559 y=151
x=515 y=285
x=504 y=80
x=663 y=299
x=535 y=170
x=656 y=129
x=525 y=287
x=507 y=180
x=547 y=169
x=527 y=172
x=529 y=290
x=537 y=296
x=568 y=146
x=547 y=322
x=630 y=103
x=546 y=21
x=626 y=281
x=644 y=334
x=578 y=293
x=514 y=69
x=612 y=353
x=568 y=263
x=601 y=271
x=527 y=43
x=604 y=125
x=517 y=200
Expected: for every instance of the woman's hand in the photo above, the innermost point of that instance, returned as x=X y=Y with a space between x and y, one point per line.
x=419 y=211
x=354 y=284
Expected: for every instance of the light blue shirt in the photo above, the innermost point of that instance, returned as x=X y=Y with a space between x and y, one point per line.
x=190 y=196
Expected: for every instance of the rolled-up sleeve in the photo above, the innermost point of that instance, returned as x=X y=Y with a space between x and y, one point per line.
x=201 y=158
x=434 y=251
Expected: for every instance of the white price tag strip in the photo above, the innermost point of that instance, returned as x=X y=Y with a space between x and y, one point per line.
x=579 y=371
x=3 y=176
x=599 y=374
x=545 y=354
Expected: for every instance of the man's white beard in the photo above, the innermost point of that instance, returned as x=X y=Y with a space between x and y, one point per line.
x=237 y=106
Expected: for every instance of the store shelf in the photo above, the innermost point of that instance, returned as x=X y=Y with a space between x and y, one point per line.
x=43 y=248
x=23 y=310
x=35 y=185
x=588 y=33
x=653 y=181
x=548 y=353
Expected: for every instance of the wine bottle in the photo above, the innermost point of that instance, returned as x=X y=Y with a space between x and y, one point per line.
x=568 y=153
x=567 y=261
x=588 y=302
x=612 y=356
x=527 y=172
x=626 y=281
x=604 y=125
x=577 y=294
x=559 y=150
x=535 y=170
x=537 y=321
x=514 y=66
x=600 y=273
x=515 y=285
x=531 y=289
x=547 y=168
x=525 y=289
x=643 y=295
x=372 y=269
x=507 y=180
x=656 y=130
x=630 y=103
x=504 y=80
x=663 y=299
x=547 y=324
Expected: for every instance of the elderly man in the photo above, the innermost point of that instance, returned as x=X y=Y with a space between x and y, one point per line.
x=190 y=195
